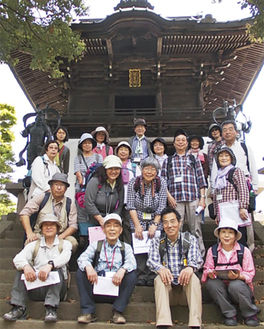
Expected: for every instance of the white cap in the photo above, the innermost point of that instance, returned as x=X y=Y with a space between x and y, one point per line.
x=228 y=223
x=113 y=216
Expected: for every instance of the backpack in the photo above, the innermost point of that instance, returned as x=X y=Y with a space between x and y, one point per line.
x=99 y=248
x=156 y=182
x=244 y=147
x=252 y=197
x=28 y=179
x=184 y=244
x=37 y=245
x=90 y=170
x=240 y=254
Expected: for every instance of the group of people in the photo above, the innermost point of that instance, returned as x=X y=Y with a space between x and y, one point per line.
x=133 y=189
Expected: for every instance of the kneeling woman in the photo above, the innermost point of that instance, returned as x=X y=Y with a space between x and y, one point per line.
x=146 y=198
x=237 y=286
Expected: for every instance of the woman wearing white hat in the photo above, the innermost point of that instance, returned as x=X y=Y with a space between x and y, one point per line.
x=129 y=171
x=100 y=134
x=237 y=263
x=105 y=191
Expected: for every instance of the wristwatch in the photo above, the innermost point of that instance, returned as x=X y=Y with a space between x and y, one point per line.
x=155 y=223
x=202 y=196
x=50 y=262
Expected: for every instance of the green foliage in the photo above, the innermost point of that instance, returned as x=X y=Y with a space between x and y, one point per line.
x=41 y=29
x=7 y=120
x=256 y=8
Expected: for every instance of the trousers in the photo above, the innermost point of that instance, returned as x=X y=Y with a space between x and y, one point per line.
x=236 y=291
x=166 y=295
x=88 y=299
x=51 y=295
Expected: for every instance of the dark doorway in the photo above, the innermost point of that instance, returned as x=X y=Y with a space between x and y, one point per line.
x=135 y=105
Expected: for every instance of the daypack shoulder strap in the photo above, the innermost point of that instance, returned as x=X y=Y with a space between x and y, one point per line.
x=215 y=253
x=107 y=148
x=240 y=254
x=244 y=147
x=68 y=206
x=44 y=201
x=230 y=177
x=98 y=251
x=169 y=166
x=37 y=246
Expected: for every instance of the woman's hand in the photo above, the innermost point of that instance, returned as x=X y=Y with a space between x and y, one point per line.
x=151 y=231
x=243 y=214
x=171 y=201
x=212 y=275
x=234 y=275
x=139 y=232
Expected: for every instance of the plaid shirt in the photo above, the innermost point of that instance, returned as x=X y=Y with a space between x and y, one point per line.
x=192 y=177
x=136 y=201
x=173 y=257
x=86 y=258
x=229 y=193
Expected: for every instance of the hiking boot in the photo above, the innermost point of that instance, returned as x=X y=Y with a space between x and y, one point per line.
x=118 y=317
x=231 y=321
x=51 y=314
x=252 y=321
x=16 y=313
x=87 y=318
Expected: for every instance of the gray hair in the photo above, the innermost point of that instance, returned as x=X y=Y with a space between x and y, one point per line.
x=150 y=161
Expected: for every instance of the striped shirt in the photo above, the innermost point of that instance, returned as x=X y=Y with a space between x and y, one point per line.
x=173 y=257
x=185 y=177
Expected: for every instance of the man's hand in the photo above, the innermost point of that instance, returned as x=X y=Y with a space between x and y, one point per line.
x=202 y=203
x=139 y=232
x=118 y=276
x=31 y=237
x=44 y=272
x=165 y=275
x=91 y=274
x=30 y=274
x=185 y=275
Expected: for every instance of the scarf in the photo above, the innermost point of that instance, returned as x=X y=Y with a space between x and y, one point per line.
x=198 y=153
x=220 y=180
x=125 y=172
x=100 y=146
x=57 y=157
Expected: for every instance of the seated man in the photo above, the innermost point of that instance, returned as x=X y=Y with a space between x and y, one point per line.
x=113 y=256
x=38 y=259
x=175 y=265
x=55 y=202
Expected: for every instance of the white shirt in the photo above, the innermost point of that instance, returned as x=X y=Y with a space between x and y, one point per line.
x=24 y=257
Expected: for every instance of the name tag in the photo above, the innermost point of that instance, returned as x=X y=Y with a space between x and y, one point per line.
x=219 y=197
x=178 y=179
x=137 y=160
x=146 y=216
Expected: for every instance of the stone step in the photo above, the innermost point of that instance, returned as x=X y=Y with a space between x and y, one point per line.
x=135 y=312
x=9 y=243
x=38 y=324
x=7 y=252
x=19 y=234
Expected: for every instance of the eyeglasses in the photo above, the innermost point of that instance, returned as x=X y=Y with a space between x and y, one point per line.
x=59 y=184
x=150 y=169
x=172 y=222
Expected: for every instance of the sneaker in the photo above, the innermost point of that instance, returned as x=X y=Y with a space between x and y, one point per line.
x=252 y=321
x=231 y=321
x=17 y=313
x=86 y=318
x=51 y=314
x=118 y=317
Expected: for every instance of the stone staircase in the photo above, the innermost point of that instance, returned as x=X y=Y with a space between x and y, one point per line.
x=140 y=312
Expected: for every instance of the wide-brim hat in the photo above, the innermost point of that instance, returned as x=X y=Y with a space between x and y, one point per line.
x=211 y=127
x=162 y=141
x=228 y=223
x=49 y=218
x=61 y=177
x=140 y=121
x=94 y=132
x=225 y=149
x=112 y=161
x=200 y=139
x=84 y=137
x=126 y=144
x=180 y=132
x=113 y=216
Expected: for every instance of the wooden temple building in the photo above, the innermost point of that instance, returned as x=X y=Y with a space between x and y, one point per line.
x=172 y=71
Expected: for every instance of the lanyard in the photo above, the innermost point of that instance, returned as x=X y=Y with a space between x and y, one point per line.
x=110 y=267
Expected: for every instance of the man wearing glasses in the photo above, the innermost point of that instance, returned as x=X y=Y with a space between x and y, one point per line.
x=175 y=267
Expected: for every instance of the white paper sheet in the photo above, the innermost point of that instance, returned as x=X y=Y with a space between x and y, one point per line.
x=231 y=210
x=53 y=278
x=142 y=246
x=105 y=287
